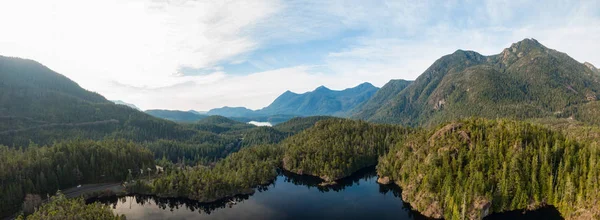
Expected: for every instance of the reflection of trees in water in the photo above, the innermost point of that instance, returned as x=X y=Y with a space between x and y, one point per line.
x=397 y=192
x=341 y=184
x=175 y=203
x=366 y=174
x=547 y=212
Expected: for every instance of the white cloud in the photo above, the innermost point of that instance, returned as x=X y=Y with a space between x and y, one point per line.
x=136 y=42
x=406 y=50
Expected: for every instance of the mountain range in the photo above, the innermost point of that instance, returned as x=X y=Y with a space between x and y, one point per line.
x=321 y=101
x=526 y=80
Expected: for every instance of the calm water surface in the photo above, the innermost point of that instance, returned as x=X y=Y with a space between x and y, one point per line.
x=295 y=197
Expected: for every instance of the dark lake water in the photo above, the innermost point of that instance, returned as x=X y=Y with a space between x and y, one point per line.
x=295 y=197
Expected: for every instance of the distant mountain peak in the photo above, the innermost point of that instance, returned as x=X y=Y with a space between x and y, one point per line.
x=467 y=55
x=288 y=92
x=227 y=111
x=528 y=41
x=365 y=85
x=197 y=112
x=521 y=49
x=231 y=107
x=322 y=89
x=525 y=46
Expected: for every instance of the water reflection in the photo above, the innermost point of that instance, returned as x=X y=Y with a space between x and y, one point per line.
x=293 y=196
x=546 y=213
x=365 y=174
x=171 y=204
x=310 y=182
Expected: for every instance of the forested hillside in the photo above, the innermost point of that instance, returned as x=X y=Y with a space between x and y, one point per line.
x=239 y=173
x=273 y=119
x=380 y=98
x=336 y=148
x=44 y=170
x=473 y=167
x=588 y=112
x=526 y=80
x=174 y=115
x=298 y=124
x=40 y=105
x=220 y=124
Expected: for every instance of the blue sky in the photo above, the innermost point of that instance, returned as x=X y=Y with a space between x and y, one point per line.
x=186 y=54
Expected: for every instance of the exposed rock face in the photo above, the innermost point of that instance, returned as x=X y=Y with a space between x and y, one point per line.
x=424 y=202
x=439 y=104
x=383 y=180
x=592 y=67
x=481 y=208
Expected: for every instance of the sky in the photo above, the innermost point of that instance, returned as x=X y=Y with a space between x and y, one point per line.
x=204 y=54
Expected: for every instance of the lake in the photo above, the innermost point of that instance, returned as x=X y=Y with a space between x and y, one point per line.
x=293 y=196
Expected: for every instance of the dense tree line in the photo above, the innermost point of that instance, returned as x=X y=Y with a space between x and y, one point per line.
x=175 y=115
x=460 y=169
x=263 y=135
x=59 y=207
x=588 y=113
x=191 y=153
x=208 y=146
x=238 y=173
x=298 y=124
x=44 y=170
x=219 y=124
x=273 y=119
x=128 y=124
x=336 y=148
